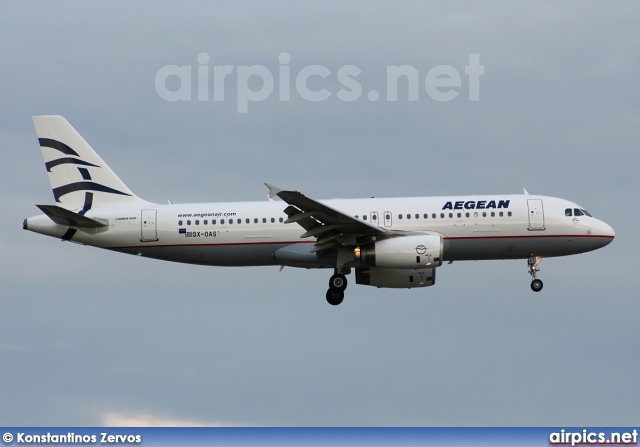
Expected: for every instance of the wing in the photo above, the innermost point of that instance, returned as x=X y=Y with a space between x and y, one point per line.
x=331 y=227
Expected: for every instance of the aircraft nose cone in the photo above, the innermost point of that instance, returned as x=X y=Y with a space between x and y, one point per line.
x=605 y=230
x=609 y=231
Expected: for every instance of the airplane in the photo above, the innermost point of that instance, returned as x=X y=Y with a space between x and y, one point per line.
x=388 y=242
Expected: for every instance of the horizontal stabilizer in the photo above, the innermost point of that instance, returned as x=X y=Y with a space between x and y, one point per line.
x=63 y=216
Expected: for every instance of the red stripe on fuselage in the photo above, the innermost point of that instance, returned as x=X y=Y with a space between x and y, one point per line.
x=569 y=236
x=231 y=244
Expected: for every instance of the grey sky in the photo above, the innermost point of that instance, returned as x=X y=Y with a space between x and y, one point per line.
x=89 y=337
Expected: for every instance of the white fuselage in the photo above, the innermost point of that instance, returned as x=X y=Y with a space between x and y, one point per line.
x=254 y=233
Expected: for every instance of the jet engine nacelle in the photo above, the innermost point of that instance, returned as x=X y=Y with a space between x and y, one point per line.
x=395 y=278
x=402 y=252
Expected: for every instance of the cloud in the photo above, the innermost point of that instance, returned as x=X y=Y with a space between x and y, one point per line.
x=115 y=419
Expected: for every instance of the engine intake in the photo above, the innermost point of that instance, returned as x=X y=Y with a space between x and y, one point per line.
x=403 y=252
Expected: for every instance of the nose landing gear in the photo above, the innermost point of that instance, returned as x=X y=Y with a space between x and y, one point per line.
x=536 y=284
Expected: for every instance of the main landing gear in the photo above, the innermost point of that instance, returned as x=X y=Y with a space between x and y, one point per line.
x=337 y=286
x=536 y=284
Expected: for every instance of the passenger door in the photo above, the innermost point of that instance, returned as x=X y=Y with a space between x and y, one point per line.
x=536 y=214
x=149 y=231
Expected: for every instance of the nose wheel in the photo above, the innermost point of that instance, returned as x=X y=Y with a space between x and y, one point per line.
x=536 y=284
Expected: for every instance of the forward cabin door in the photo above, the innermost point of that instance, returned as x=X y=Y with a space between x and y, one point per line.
x=149 y=228
x=536 y=214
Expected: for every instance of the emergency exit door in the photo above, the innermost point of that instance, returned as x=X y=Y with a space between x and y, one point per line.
x=374 y=218
x=387 y=218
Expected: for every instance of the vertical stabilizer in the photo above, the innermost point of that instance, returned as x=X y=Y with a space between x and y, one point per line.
x=79 y=178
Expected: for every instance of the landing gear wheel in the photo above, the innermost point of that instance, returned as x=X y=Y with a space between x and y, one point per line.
x=338 y=283
x=536 y=285
x=334 y=297
x=533 y=262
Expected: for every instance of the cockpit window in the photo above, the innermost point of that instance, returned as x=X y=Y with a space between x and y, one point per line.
x=586 y=213
x=568 y=212
x=577 y=212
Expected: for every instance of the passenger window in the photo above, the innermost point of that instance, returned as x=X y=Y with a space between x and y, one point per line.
x=475 y=214
x=418 y=216
x=441 y=215
x=450 y=215
x=484 y=214
x=248 y=221
x=281 y=220
x=188 y=222
x=433 y=215
x=493 y=214
x=230 y=221
x=501 y=214
x=400 y=216
x=426 y=216
x=364 y=217
x=467 y=214
x=568 y=212
x=408 y=216
x=577 y=212
x=213 y=221
x=264 y=220
x=205 y=222
x=509 y=214
x=387 y=216
x=273 y=220
x=459 y=215
x=221 y=221
x=374 y=217
x=255 y=220
x=180 y=222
